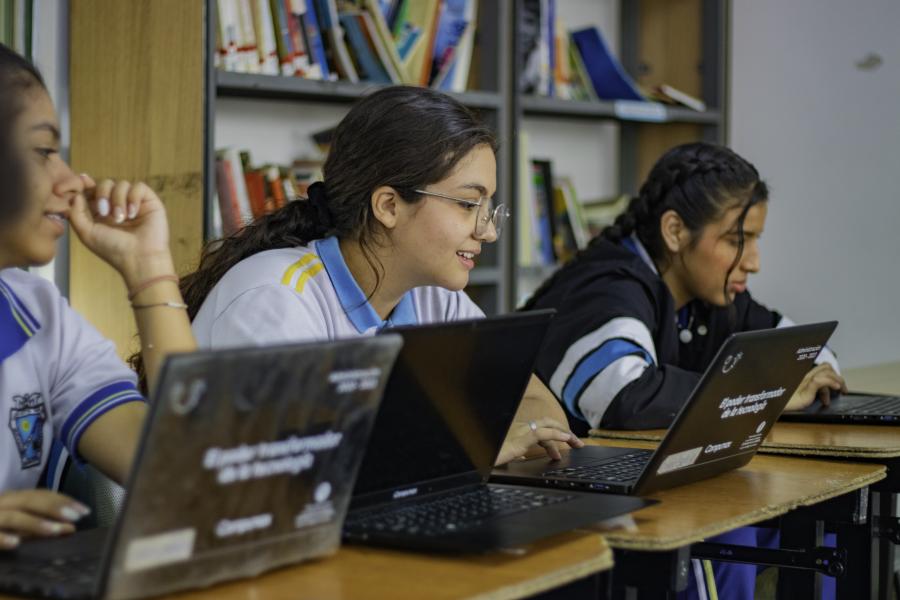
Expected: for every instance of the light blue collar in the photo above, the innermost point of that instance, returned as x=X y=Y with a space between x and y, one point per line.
x=17 y=324
x=352 y=298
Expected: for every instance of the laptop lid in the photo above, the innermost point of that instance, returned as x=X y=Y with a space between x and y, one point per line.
x=735 y=404
x=247 y=461
x=448 y=405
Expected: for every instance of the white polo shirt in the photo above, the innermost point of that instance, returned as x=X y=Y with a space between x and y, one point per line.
x=307 y=293
x=57 y=376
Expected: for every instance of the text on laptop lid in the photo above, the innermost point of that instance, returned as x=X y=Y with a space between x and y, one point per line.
x=247 y=461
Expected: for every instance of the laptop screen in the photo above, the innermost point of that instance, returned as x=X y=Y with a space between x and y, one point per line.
x=449 y=401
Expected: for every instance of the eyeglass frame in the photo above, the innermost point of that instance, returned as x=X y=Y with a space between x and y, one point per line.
x=466 y=202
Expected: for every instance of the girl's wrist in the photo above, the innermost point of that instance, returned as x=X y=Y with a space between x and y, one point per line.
x=145 y=268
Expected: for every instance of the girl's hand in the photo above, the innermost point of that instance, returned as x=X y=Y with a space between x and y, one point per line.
x=124 y=224
x=36 y=513
x=819 y=381
x=543 y=432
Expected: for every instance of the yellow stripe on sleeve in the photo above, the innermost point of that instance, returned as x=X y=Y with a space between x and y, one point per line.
x=308 y=274
x=289 y=274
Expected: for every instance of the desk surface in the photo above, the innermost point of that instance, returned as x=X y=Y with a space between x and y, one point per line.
x=769 y=486
x=358 y=572
x=809 y=439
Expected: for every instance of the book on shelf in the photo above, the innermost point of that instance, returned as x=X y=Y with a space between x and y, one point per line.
x=377 y=43
x=333 y=39
x=609 y=79
x=413 y=42
x=672 y=95
x=456 y=18
x=234 y=200
x=552 y=223
x=602 y=212
x=246 y=192
x=366 y=64
x=542 y=198
x=376 y=10
x=266 y=45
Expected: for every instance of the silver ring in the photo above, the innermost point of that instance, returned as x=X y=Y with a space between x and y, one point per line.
x=533 y=426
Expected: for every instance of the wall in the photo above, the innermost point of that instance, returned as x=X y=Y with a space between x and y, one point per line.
x=825 y=133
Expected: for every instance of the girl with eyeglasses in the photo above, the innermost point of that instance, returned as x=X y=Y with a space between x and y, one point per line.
x=388 y=238
x=650 y=301
x=60 y=380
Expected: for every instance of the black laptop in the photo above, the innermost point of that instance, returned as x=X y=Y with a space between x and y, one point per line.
x=448 y=405
x=246 y=463
x=719 y=428
x=855 y=407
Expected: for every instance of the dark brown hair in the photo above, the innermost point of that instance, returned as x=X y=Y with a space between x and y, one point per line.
x=699 y=181
x=17 y=76
x=403 y=137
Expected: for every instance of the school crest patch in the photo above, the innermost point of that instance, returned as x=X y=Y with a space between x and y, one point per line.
x=26 y=421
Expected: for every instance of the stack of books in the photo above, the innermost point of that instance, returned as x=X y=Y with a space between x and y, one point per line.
x=578 y=64
x=413 y=42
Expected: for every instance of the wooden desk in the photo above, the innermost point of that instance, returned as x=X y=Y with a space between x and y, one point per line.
x=358 y=572
x=880 y=379
x=769 y=486
x=868 y=443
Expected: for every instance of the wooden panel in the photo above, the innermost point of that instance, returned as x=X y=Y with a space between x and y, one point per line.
x=670 y=44
x=357 y=572
x=136 y=106
x=655 y=139
x=767 y=487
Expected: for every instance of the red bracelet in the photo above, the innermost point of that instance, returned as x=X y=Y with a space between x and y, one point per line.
x=152 y=281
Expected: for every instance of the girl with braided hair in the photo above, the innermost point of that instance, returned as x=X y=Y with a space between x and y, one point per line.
x=388 y=238
x=643 y=310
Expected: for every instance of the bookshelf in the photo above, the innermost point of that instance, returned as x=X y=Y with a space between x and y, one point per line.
x=170 y=100
x=680 y=43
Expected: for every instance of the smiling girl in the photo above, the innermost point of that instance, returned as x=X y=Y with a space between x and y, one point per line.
x=59 y=378
x=388 y=238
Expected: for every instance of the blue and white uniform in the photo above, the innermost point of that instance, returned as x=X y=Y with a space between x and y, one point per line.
x=57 y=376
x=307 y=293
x=618 y=354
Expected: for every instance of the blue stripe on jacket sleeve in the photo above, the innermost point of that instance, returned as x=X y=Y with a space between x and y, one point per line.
x=92 y=407
x=591 y=366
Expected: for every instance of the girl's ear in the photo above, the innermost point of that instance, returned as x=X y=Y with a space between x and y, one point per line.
x=675 y=235
x=386 y=206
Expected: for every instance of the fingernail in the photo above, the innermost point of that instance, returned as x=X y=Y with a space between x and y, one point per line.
x=9 y=541
x=103 y=207
x=70 y=513
x=84 y=510
x=119 y=215
x=53 y=527
x=132 y=211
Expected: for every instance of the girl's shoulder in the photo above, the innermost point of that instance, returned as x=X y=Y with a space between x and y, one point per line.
x=37 y=298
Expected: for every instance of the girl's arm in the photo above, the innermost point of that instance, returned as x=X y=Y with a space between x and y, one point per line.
x=125 y=225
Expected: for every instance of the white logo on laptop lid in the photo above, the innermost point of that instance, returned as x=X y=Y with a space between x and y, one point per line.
x=731 y=361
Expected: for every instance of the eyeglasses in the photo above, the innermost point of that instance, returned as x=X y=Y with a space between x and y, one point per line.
x=486 y=214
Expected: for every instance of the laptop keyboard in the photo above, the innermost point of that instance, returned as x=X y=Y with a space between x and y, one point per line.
x=451 y=513
x=879 y=405
x=620 y=469
x=69 y=577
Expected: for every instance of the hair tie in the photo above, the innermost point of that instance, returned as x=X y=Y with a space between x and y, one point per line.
x=318 y=198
